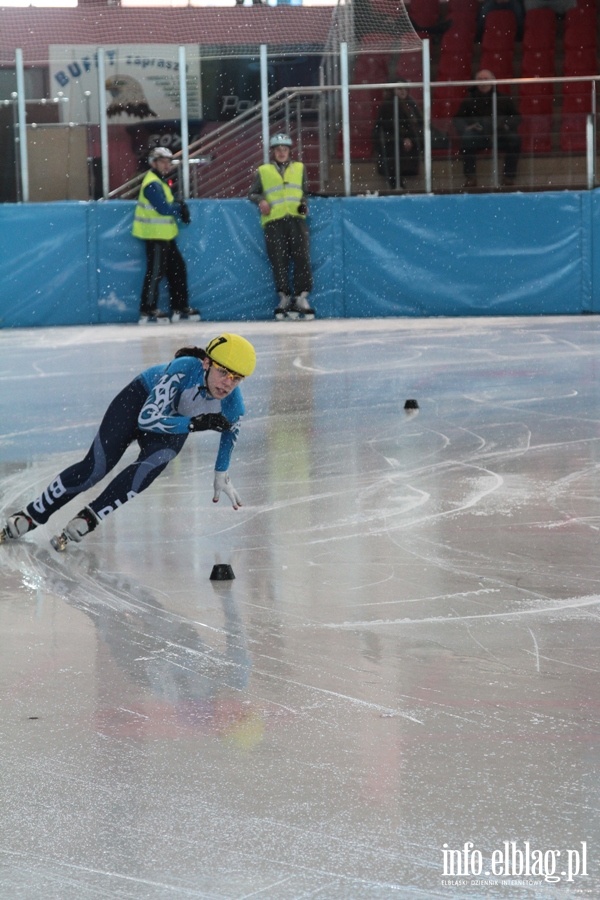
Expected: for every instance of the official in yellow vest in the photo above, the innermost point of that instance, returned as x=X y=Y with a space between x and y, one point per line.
x=279 y=191
x=155 y=222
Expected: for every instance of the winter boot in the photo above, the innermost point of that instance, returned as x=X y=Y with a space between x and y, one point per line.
x=300 y=307
x=16 y=526
x=84 y=522
x=285 y=304
x=188 y=314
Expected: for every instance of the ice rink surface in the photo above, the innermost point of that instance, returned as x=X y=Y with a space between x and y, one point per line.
x=405 y=666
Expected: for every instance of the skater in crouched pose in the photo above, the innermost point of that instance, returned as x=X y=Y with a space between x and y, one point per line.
x=197 y=391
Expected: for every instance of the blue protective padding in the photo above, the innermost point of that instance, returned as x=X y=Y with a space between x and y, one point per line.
x=228 y=272
x=591 y=298
x=489 y=254
x=121 y=263
x=459 y=255
x=44 y=265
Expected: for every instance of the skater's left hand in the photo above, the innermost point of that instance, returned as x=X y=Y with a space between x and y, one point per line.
x=210 y=422
x=223 y=483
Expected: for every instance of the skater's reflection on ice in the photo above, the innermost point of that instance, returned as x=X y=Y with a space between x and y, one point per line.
x=157 y=675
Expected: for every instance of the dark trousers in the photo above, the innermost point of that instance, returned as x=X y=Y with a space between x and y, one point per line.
x=510 y=144
x=409 y=165
x=118 y=429
x=288 y=247
x=163 y=260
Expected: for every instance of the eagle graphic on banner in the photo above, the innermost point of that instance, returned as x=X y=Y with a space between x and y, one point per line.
x=128 y=97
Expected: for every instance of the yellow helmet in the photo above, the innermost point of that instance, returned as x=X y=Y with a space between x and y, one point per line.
x=234 y=352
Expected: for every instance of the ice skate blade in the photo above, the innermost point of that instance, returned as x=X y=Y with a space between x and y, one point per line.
x=177 y=317
x=280 y=316
x=293 y=314
x=151 y=320
x=60 y=541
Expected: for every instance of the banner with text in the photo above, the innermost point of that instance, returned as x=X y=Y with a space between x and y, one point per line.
x=142 y=82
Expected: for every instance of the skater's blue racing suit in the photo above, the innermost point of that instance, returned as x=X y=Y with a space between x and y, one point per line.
x=155 y=409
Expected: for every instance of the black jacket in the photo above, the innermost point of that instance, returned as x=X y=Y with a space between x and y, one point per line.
x=477 y=108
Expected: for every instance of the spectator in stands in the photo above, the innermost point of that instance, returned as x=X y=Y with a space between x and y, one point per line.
x=279 y=190
x=410 y=137
x=487 y=6
x=474 y=123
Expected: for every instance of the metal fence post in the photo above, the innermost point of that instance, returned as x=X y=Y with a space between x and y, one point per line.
x=22 y=125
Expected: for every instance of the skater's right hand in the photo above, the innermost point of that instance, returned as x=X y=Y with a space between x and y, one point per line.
x=210 y=422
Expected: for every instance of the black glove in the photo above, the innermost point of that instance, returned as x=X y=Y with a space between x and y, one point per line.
x=184 y=212
x=210 y=422
x=302 y=209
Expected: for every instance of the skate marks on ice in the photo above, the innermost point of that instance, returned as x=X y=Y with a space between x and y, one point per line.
x=172 y=739
x=151 y=643
x=414 y=609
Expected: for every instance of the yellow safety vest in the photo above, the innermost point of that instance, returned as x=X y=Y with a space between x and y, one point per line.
x=149 y=224
x=282 y=192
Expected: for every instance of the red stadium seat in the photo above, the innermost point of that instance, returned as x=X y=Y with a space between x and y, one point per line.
x=451 y=67
x=424 y=12
x=500 y=31
x=573 y=133
x=457 y=40
x=540 y=29
x=581 y=27
x=538 y=63
x=498 y=45
x=580 y=61
x=577 y=95
x=388 y=8
x=501 y=63
x=371 y=68
x=536 y=103
x=536 y=99
x=454 y=68
x=536 y=134
x=576 y=106
x=463 y=15
x=409 y=67
x=445 y=104
x=455 y=60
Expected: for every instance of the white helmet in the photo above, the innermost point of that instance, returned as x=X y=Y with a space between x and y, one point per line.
x=159 y=153
x=280 y=140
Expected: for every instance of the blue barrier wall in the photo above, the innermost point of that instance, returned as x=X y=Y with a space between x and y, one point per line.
x=459 y=255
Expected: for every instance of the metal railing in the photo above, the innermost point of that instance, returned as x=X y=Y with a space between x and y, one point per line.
x=231 y=151
x=323 y=121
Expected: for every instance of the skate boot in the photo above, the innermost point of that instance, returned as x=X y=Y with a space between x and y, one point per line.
x=16 y=526
x=188 y=314
x=154 y=317
x=300 y=307
x=285 y=304
x=84 y=522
